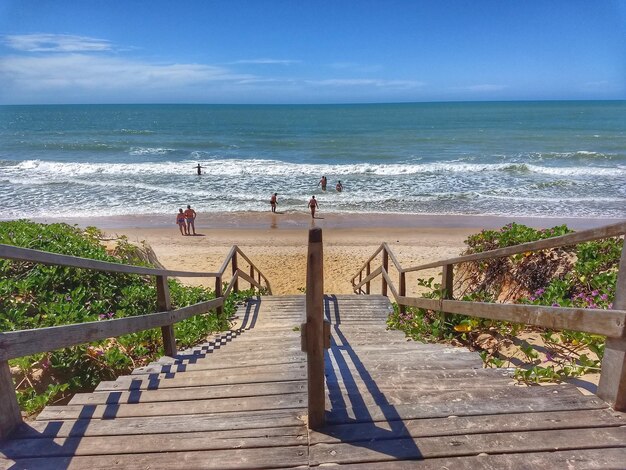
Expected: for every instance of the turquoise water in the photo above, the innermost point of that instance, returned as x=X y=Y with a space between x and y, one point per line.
x=565 y=159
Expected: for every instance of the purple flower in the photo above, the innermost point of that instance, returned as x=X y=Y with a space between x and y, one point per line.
x=540 y=291
x=595 y=293
x=555 y=304
x=68 y=298
x=604 y=297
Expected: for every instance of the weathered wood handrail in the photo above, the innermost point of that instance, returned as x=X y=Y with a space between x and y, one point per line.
x=610 y=323
x=14 y=344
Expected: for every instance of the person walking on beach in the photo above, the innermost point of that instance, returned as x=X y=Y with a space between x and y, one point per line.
x=313 y=205
x=274 y=202
x=199 y=168
x=180 y=220
x=323 y=182
x=190 y=218
x=339 y=187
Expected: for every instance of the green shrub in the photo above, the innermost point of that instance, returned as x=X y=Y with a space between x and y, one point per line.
x=35 y=296
x=584 y=276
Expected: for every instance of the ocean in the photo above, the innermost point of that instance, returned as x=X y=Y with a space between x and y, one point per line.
x=537 y=159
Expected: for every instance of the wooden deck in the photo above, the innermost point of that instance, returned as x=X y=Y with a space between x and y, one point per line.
x=239 y=401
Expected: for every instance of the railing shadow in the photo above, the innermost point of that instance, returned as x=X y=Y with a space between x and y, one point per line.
x=11 y=449
x=14 y=449
x=374 y=434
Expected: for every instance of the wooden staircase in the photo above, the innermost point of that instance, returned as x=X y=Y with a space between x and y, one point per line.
x=239 y=400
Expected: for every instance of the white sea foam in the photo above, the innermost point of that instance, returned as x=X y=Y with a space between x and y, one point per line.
x=252 y=167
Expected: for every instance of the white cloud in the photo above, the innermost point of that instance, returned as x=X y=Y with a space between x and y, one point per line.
x=267 y=62
x=56 y=43
x=71 y=71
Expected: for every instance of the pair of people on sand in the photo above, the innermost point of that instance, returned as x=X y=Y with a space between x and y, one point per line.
x=324 y=183
x=186 y=221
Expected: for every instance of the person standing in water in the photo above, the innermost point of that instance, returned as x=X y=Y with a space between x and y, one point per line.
x=180 y=220
x=199 y=168
x=274 y=202
x=313 y=205
x=339 y=187
x=323 y=182
x=190 y=218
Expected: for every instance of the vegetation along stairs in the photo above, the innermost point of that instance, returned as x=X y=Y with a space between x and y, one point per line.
x=239 y=400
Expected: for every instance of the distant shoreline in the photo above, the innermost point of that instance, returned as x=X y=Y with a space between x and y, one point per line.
x=302 y=220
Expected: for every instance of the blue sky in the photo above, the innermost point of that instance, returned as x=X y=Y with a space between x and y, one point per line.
x=296 y=51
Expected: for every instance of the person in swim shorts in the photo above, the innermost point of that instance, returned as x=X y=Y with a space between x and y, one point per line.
x=190 y=218
x=180 y=220
x=274 y=202
x=313 y=205
x=323 y=182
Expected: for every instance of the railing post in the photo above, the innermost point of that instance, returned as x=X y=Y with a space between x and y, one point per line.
x=234 y=265
x=612 y=387
x=10 y=416
x=402 y=292
x=314 y=333
x=447 y=288
x=367 y=273
x=218 y=294
x=164 y=304
x=252 y=276
x=386 y=268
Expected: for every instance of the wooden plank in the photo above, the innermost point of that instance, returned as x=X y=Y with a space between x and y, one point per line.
x=572 y=459
x=155 y=443
x=434 y=376
x=570 y=239
x=341 y=398
x=161 y=425
x=441 y=410
x=193 y=407
x=195 y=393
x=10 y=416
x=474 y=444
x=602 y=322
x=26 y=342
x=270 y=457
x=145 y=383
x=44 y=257
x=219 y=364
x=461 y=425
x=191 y=372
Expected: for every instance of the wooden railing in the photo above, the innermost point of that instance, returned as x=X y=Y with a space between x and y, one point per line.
x=611 y=323
x=14 y=344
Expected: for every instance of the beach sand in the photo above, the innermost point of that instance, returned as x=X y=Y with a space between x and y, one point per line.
x=277 y=243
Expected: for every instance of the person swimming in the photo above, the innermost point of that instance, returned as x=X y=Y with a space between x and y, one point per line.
x=339 y=187
x=199 y=168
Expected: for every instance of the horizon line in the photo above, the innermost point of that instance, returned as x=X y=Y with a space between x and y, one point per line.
x=342 y=103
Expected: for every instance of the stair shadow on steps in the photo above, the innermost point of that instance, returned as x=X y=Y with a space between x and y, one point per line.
x=339 y=411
